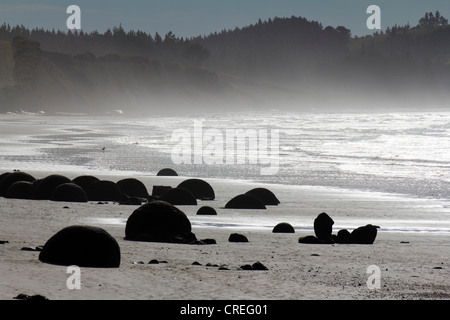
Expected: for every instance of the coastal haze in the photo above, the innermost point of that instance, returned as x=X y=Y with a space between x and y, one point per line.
x=299 y=97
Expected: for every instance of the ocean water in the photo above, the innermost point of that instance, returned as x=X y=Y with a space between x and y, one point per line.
x=403 y=154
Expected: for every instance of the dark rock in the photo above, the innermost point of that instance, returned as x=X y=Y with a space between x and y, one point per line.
x=4 y=241
x=20 y=190
x=84 y=246
x=245 y=201
x=179 y=196
x=196 y=263
x=223 y=268
x=35 y=297
x=256 y=266
x=207 y=241
x=167 y=172
x=206 y=210
x=159 y=221
x=132 y=201
x=323 y=226
x=8 y=178
x=265 y=195
x=153 y=261
x=103 y=190
x=133 y=188
x=38 y=248
x=259 y=266
x=201 y=189
x=44 y=188
x=85 y=180
x=283 y=227
x=364 y=235
x=313 y=240
x=69 y=192
x=158 y=192
x=236 y=237
x=343 y=236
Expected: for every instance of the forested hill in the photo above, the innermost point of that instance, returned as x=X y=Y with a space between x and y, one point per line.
x=278 y=63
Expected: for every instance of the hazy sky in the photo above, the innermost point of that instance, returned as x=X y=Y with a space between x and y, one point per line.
x=188 y=18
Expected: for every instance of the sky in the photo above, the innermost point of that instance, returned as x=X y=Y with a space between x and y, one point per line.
x=190 y=18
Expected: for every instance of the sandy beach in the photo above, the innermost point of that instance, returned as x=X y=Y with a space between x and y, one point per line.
x=412 y=264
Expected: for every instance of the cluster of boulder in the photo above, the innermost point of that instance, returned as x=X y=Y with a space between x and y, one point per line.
x=323 y=227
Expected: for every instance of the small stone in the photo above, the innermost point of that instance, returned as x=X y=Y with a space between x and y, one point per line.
x=153 y=261
x=196 y=263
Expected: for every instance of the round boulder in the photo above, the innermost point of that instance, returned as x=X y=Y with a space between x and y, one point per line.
x=343 y=236
x=20 y=190
x=133 y=188
x=159 y=221
x=207 y=210
x=8 y=178
x=201 y=189
x=83 y=246
x=44 y=188
x=103 y=190
x=245 y=201
x=237 y=237
x=69 y=192
x=167 y=172
x=85 y=180
x=323 y=226
x=265 y=195
x=283 y=227
x=364 y=235
x=179 y=196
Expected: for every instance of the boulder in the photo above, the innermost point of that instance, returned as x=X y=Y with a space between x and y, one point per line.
x=44 y=188
x=159 y=221
x=313 y=240
x=343 y=236
x=69 y=192
x=323 y=226
x=159 y=191
x=201 y=189
x=167 y=172
x=236 y=237
x=85 y=180
x=206 y=210
x=83 y=246
x=8 y=178
x=133 y=188
x=245 y=201
x=179 y=196
x=103 y=190
x=20 y=190
x=283 y=227
x=265 y=195
x=364 y=235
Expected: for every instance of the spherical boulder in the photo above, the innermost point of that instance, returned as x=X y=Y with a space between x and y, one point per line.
x=237 y=237
x=69 y=192
x=343 y=236
x=159 y=221
x=103 y=190
x=179 y=196
x=207 y=210
x=8 y=178
x=312 y=240
x=20 y=190
x=265 y=195
x=283 y=227
x=133 y=188
x=167 y=172
x=83 y=246
x=85 y=180
x=44 y=188
x=245 y=201
x=364 y=235
x=323 y=226
x=201 y=189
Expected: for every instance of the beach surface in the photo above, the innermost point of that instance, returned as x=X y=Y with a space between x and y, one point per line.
x=411 y=251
